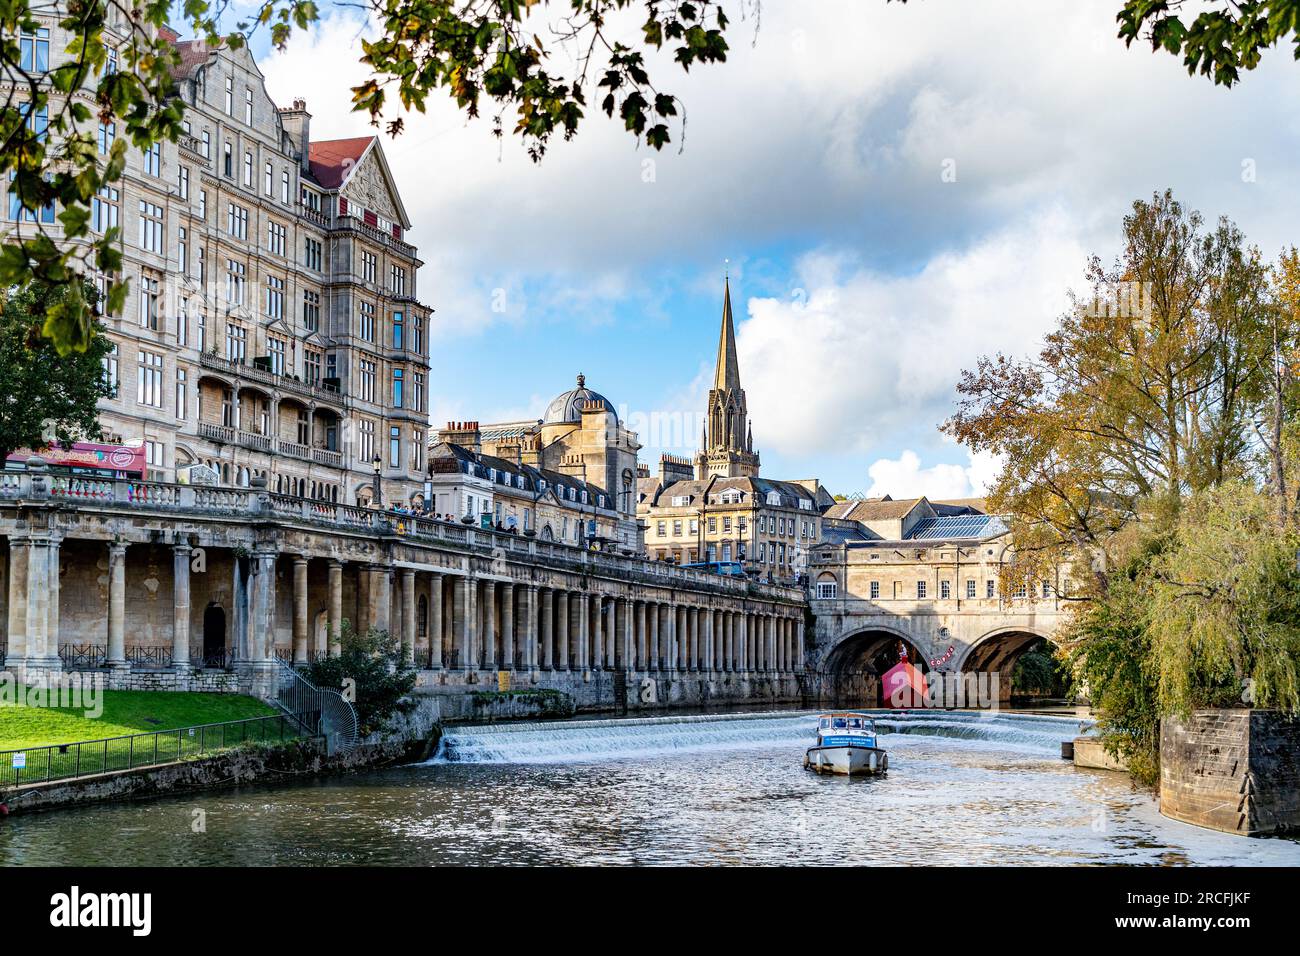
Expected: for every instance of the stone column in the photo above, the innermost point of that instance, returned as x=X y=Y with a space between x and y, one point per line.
x=262 y=640
x=17 y=629
x=597 y=633
x=528 y=611
x=562 y=629
x=460 y=621
x=365 y=615
x=381 y=598
x=548 y=629
x=742 y=642
x=489 y=625
x=181 y=605
x=507 y=626
x=623 y=642
x=334 y=624
x=299 y=609
x=582 y=625
x=52 y=618
x=654 y=617
x=435 y=621
x=408 y=614
x=706 y=639
x=38 y=601
x=642 y=650
x=798 y=644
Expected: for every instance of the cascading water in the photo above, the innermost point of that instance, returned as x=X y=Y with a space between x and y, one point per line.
x=584 y=740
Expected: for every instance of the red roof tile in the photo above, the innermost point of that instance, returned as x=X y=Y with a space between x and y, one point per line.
x=332 y=158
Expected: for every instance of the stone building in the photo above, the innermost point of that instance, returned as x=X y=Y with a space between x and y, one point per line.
x=577 y=462
x=716 y=508
x=272 y=327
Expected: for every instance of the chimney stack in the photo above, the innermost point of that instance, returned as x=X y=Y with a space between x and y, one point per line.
x=297 y=127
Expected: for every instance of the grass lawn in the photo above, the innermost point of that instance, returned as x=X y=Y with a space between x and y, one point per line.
x=124 y=712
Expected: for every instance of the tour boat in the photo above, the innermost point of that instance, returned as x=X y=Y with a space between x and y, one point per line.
x=846 y=743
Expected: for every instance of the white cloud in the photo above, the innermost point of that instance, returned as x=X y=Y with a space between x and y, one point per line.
x=903 y=477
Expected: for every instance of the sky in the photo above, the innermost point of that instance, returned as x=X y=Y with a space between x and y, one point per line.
x=894 y=191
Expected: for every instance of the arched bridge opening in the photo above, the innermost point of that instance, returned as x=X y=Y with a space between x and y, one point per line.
x=851 y=675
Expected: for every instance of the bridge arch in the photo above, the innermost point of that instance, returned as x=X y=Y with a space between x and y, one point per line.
x=849 y=671
x=998 y=650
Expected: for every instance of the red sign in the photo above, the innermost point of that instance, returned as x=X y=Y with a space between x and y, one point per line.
x=88 y=455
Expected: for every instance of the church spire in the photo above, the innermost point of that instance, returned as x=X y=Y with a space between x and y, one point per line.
x=727 y=374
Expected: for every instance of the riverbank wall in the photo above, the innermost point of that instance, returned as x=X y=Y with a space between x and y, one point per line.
x=408 y=737
x=1232 y=770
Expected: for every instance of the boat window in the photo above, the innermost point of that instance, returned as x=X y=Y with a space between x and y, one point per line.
x=825 y=722
x=838 y=723
x=855 y=723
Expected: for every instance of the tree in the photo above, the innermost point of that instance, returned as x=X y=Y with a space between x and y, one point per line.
x=375 y=663
x=118 y=67
x=43 y=396
x=1145 y=392
x=1224 y=38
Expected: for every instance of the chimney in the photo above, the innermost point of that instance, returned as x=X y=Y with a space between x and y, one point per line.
x=465 y=434
x=297 y=127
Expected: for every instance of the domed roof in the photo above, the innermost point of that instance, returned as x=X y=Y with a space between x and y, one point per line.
x=567 y=406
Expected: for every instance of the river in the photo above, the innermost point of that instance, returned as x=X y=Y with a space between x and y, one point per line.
x=709 y=789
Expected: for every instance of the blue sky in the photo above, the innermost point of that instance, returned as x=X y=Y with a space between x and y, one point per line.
x=864 y=278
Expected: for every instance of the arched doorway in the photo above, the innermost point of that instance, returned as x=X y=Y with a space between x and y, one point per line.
x=214 y=636
x=852 y=671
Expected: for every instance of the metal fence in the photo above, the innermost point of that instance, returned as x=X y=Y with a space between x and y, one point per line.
x=317 y=711
x=111 y=754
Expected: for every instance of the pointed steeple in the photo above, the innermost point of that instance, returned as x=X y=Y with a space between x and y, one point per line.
x=727 y=374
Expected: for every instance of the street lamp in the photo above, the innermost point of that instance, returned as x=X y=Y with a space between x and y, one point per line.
x=379 y=491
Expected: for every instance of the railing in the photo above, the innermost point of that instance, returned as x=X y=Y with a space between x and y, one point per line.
x=293 y=448
x=149 y=656
x=81 y=657
x=325 y=456
x=254 y=441
x=222 y=433
x=4 y=652
x=218 y=660
x=111 y=754
x=318 y=712
x=254 y=374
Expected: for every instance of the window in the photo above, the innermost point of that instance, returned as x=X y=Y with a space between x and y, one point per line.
x=154 y=453
x=183 y=322
x=150 y=297
x=107 y=133
x=394 y=447
x=236 y=341
x=203 y=205
x=417 y=392
x=368 y=260
x=312 y=254
x=366 y=324
x=311 y=366
x=726 y=523
x=398 y=281
x=970 y=588
x=275 y=349
x=1019 y=591
x=311 y=310
x=275 y=233
x=205 y=144
x=921 y=590
x=235 y=276
x=304 y=427
x=284 y=186
x=148 y=386
x=677 y=529
x=945 y=590
x=230 y=96
x=269 y=179
x=203 y=268
x=275 y=297
x=248 y=106
x=237 y=221
x=1047 y=589
x=151 y=227
x=109 y=364
x=366 y=380
x=248 y=169
x=203 y=330
x=826 y=590
x=397 y=330
x=153 y=159
x=990 y=589
x=182 y=403
x=417 y=450
x=34 y=50
x=183 y=181
x=661 y=528
x=417 y=333
x=183 y=251
x=875 y=590
x=397 y=388
x=366 y=445
x=104 y=209
x=228 y=160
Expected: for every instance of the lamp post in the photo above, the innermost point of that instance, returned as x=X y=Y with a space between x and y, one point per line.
x=379 y=491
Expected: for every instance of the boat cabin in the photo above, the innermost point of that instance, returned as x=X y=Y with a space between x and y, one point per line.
x=840 y=729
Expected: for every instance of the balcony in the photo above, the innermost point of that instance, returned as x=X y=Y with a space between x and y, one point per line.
x=283 y=383
x=294 y=449
x=326 y=457
x=226 y=435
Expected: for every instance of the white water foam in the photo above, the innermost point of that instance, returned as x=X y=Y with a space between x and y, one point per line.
x=586 y=740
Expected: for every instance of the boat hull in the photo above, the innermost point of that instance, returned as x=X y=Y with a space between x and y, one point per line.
x=848 y=760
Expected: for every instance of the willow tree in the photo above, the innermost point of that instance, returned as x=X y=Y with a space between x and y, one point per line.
x=1145 y=392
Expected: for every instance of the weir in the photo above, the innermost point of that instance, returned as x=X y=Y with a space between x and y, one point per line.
x=583 y=740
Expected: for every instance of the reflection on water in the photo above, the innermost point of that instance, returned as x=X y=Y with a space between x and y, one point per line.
x=708 y=790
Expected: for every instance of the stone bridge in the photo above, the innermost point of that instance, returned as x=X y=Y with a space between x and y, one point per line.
x=190 y=587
